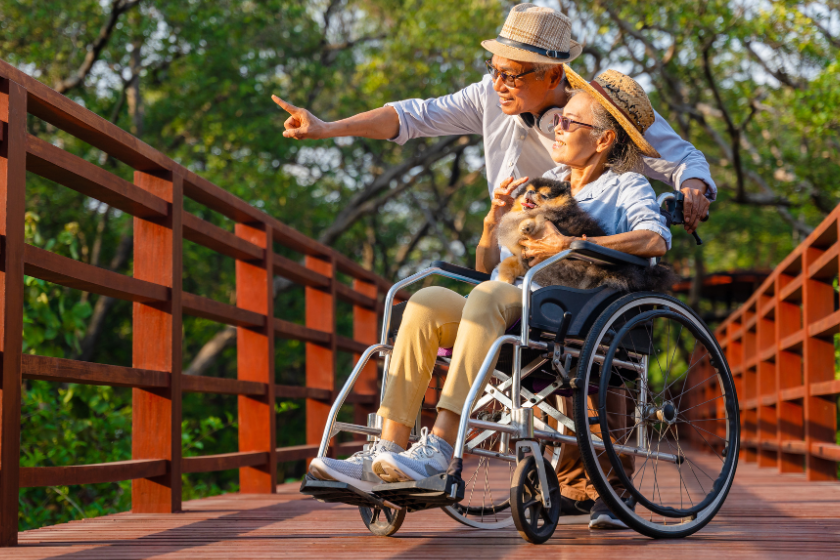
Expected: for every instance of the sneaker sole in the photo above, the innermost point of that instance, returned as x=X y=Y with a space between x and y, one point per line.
x=322 y=472
x=605 y=522
x=392 y=473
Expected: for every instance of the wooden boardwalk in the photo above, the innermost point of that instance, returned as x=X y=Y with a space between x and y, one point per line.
x=766 y=515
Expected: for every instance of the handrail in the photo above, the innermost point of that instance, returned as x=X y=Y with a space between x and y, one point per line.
x=780 y=347
x=155 y=199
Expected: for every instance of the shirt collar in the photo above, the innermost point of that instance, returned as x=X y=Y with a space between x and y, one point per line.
x=593 y=189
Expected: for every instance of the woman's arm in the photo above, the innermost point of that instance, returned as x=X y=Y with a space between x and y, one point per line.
x=487 y=254
x=641 y=242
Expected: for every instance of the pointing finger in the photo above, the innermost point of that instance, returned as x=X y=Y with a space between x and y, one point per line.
x=288 y=107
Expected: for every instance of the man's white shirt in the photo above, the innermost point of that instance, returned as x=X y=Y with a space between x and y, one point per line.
x=513 y=149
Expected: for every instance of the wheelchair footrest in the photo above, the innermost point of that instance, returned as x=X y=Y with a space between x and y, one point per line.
x=331 y=491
x=433 y=492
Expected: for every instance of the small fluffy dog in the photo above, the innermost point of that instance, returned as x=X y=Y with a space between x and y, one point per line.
x=546 y=200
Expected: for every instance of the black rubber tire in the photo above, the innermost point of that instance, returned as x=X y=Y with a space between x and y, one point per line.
x=526 y=498
x=382 y=523
x=581 y=417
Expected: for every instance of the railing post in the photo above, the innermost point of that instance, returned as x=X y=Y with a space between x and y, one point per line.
x=156 y=414
x=12 y=208
x=788 y=376
x=766 y=336
x=255 y=362
x=366 y=331
x=818 y=354
x=320 y=360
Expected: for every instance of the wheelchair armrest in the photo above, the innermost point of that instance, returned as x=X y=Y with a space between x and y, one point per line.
x=462 y=271
x=588 y=251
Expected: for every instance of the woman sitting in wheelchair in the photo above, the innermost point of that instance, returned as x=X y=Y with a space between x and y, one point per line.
x=599 y=144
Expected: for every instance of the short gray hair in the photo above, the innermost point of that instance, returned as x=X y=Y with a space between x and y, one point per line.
x=624 y=155
x=542 y=68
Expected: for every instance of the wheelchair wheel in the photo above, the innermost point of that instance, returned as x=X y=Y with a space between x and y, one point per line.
x=382 y=522
x=666 y=400
x=535 y=522
x=486 y=503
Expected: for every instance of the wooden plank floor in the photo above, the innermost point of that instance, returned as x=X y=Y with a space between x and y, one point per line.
x=767 y=515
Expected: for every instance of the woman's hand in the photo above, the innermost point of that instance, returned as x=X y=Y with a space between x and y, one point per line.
x=502 y=201
x=537 y=250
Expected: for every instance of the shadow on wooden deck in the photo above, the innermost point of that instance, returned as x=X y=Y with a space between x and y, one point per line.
x=766 y=515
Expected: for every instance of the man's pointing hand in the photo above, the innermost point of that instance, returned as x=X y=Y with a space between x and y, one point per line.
x=302 y=124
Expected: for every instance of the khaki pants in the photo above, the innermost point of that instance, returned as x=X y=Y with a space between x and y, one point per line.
x=439 y=318
x=435 y=318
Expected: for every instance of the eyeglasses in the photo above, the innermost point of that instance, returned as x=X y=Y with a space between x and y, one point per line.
x=565 y=122
x=508 y=79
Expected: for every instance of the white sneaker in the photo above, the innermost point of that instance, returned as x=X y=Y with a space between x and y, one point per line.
x=427 y=457
x=356 y=469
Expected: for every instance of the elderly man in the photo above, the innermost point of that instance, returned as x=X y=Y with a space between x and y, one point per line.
x=513 y=108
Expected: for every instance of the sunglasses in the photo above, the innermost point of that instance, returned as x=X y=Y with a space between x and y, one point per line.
x=565 y=122
x=508 y=79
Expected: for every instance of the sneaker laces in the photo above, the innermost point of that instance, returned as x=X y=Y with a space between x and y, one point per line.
x=360 y=456
x=423 y=447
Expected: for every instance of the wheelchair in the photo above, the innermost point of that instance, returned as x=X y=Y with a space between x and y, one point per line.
x=654 y=412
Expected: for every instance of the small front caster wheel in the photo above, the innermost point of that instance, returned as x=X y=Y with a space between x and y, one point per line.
x=535 y=522
x=382 y=522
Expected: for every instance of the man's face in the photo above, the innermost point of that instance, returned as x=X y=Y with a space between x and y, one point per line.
x=530 y=92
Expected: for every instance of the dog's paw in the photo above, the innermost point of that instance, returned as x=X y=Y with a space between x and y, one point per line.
x=502 y=277
x=528 y=227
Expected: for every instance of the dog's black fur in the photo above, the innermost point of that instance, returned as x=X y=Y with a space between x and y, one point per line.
x=560 y=208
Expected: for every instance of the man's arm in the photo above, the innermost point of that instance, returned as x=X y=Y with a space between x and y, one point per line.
x=379 y=124
x=458 y=113
x=682 y=166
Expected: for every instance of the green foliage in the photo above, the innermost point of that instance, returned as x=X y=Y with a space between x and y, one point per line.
x=204 y=71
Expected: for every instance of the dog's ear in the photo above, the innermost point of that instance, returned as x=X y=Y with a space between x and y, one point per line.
x=561 y=188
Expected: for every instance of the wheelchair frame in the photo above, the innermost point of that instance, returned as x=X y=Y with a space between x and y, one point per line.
x=523 y=427
x=518 y=427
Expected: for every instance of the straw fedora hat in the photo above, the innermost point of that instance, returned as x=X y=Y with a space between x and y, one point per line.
x=626 y=101
x=535 y=34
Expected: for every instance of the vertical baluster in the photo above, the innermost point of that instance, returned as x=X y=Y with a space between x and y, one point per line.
x=820 y=413
x=255 y=362
x=156 y=345
x=766 y=379
x=788 y=376
x=320 y=360
x=12 y=208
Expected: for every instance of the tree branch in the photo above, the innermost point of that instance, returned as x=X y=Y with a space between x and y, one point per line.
x=104 y=303
x=94 y=50
x=734 y=131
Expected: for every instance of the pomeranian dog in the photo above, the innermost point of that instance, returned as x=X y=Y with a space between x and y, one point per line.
x=546 y=200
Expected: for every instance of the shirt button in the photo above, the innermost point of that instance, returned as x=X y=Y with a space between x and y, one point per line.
x=522 y=137
x=510 y=164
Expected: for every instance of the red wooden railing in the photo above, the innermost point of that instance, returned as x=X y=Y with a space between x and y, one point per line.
x=155 y=199
x=780 y=346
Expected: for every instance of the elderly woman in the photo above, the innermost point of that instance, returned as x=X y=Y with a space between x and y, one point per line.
x=599 y=143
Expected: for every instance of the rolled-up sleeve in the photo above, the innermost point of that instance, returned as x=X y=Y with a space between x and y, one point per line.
x=458 y=113
x=680 y=160
x=640 y=208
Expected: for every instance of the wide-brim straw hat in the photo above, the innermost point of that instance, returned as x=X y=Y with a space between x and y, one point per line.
x=535 y=34
x=626 y=101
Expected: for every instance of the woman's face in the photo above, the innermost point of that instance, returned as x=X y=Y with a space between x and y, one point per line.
x=577 y=148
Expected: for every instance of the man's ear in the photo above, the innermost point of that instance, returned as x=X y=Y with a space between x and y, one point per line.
x=556 y=76
x=606 y=140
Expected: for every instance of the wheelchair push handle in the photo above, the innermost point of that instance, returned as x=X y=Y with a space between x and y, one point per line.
x=672 y=207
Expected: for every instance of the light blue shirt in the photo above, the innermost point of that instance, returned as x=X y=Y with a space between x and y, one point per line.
x=476 y=110
x=619 y=203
